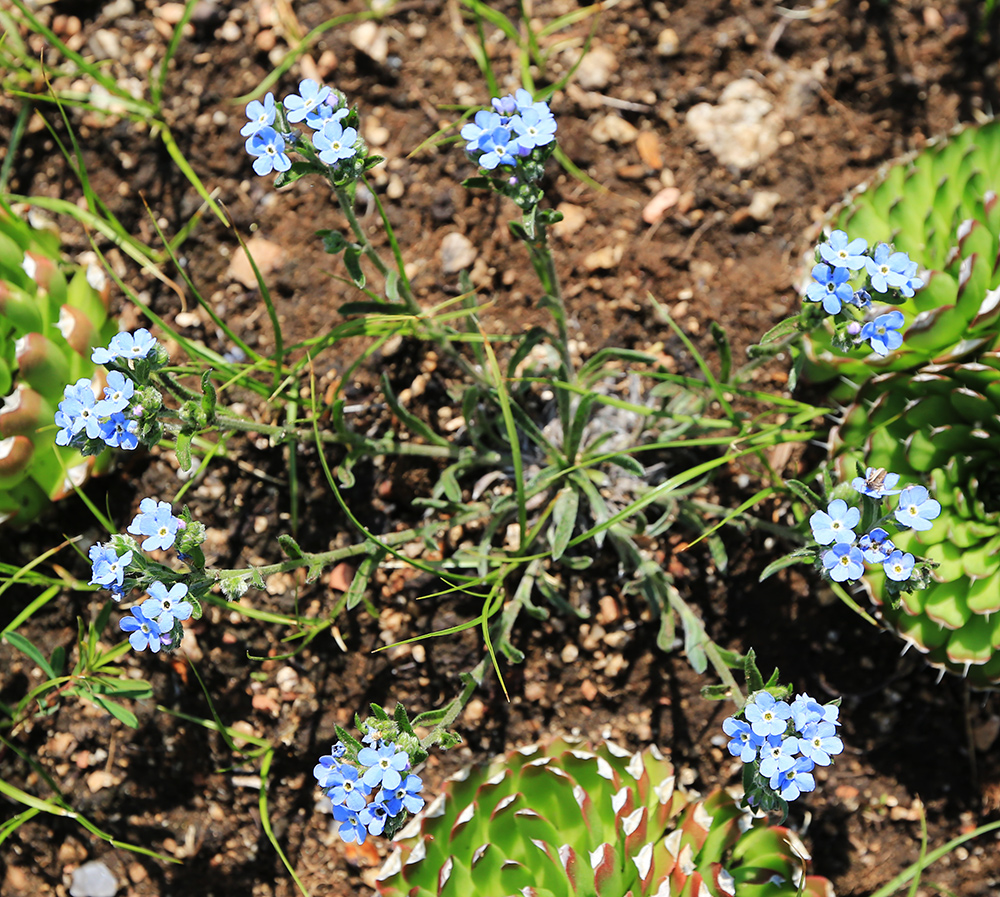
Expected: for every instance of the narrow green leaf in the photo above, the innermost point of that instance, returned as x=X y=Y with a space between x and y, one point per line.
x=564 y=519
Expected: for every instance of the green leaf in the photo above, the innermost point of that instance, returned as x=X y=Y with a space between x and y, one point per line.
x=805 y=493
x=564 y=520
x=298 y=170
x=359 y=584
x=801 y=556
x=352 y=261
x=182 y=446
x=755 y=682
x=26 y=647
x=290 y=546
x=333 y=241
x=115 y=709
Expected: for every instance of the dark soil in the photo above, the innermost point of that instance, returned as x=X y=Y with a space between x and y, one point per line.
x=860 y=83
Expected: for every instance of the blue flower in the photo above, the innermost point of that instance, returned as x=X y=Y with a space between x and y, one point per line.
x=374 y=817
x=836 y=524
x=77 y=412
x=776 y=755
x=766 y=715
x=862 y=299
x=876 y=545
x=167 y=607
x=145 y=632
x=744 y=743
x=325 y=771
x=120 y=432
x=499 y=150
x=533 y=129
x=405 y=797
x=352 y=829
x=876 y=483
x=335 y=142
x=805 y=711
x=898 y=566
x=126 y=345
x=106 y=566
x=156 y=521
x=261 y=115
x=883 y=332
x=830 y=287
x=477 y=131
x=795 y=781
x=819 y=742
x=892 y=270
x=844 y=562
x=916 y=508
x=842 y=253
x=310 y=95
x=384 y=766
x=116 y=394
x=324 y=112
x=345 y=788
x=269 y=148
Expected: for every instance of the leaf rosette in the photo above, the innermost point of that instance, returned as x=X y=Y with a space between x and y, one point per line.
x=941 y=208
x=568 y=820
x=52 y=315
x=940 y=426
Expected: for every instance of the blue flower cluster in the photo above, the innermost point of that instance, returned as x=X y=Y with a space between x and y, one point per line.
x=120 y=566
x=515 y=127
x=881 y=270
x=367 y=795
x=785 y=742
x=88 y=422
x=322 y=109
x=846 y=558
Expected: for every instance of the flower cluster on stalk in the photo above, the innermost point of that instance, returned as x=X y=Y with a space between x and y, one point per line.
x=781 y=744
x=846 y=274
x=331 y=146
x=120 y=566
x=371 y=789
x=845 y=559
x=124 y=413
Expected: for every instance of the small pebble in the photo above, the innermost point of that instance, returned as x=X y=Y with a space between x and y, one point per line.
x=668 y=44
x=614 y=129
x=457 y=253
x=93 y=879
x=596 y=68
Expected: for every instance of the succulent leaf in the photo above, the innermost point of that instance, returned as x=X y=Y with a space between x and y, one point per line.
x=940 y=426
x=568 y=819
x=940 y=207
x=53 y=318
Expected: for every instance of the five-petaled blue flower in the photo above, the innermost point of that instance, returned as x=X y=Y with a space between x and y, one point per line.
x=916 y=508
x=836 y=523
x=352 y=828
x=766 y=715
x=145 y=632
x=892 y=270
x=841 y=252
x=374 y=817
x=533 y=129
x=77 y=412
x=269 y=148
x=347 y=789
x=335 y=142
x=744 y=743
x=405 y=797
x=310 y=95
x=261 y=115
x=830 y=287
x=898 y=566
x=844 y=562
x=876 y=545
x=795 y=781
x=167 y=606
x=883 y=333
x=819 y=742
x=384 y=766
x=106 y=566
x=777 y=754
x=116 y=394
x=126 y=345
x=876 y=483
x=500 y=149
x=156 y=521
x=118 y=431
x=477 y=131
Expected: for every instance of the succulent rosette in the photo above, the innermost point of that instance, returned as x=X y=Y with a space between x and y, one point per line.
x=941 y=208
x=568 y=820
x=941 y=427
x=52 y=314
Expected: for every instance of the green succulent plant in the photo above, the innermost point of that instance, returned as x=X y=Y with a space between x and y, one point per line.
x=940 y=207
x=572 y=820
x=940 y=427
x=51 y=317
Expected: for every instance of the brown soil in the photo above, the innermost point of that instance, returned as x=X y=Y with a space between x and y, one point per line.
x=859 y=84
